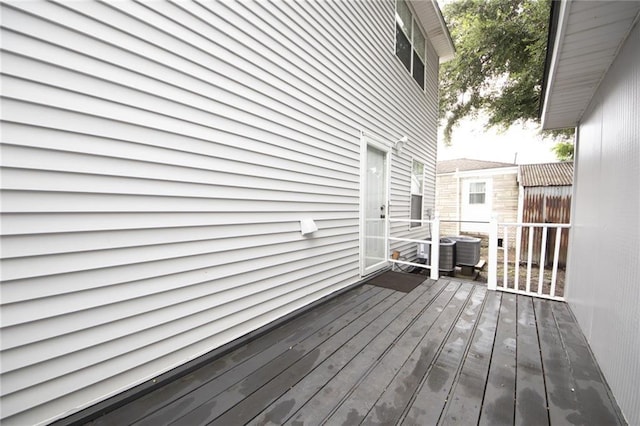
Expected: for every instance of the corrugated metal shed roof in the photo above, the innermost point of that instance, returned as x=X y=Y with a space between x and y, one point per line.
x=464 y=164
x=548 y=174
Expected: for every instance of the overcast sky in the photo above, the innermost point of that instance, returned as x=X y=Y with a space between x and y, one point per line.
x=470 y=140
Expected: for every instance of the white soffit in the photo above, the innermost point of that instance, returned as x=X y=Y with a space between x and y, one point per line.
x=588 y=37
x=429 y=15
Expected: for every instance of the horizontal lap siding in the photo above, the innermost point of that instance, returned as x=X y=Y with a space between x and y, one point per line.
x=157 y=159
x=421 y=147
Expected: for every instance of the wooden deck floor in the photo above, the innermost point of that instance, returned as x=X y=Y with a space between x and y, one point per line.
x=446 y=353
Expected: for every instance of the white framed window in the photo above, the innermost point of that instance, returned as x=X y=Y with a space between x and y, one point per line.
x=410 y=43
x=477 y=192
x=417 y=190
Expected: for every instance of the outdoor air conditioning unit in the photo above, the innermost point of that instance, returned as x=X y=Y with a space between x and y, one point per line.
x=467 y=250
x=447 y=254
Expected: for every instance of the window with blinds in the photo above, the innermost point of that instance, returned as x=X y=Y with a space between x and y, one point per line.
x=477 y=192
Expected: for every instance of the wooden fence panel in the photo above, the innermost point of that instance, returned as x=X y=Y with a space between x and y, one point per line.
x=551 y=204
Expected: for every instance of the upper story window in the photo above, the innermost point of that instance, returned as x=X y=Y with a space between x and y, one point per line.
x=410 y=43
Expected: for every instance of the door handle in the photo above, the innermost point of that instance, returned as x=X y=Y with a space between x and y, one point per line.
x=382 y=215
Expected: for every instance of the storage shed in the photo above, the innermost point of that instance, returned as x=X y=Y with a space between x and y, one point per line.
x=545 y=191
x=472 y=191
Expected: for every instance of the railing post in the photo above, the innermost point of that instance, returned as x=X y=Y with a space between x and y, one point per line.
x=387 y=235
x=435 y=248
x=492 y=279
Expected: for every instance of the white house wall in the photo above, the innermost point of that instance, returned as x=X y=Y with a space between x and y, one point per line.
x=604 y=268
x=452 y=199
x=157 y=159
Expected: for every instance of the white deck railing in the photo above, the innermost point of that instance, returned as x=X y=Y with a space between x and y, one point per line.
x=540 y=269
x=434 y=256
x=541 y=266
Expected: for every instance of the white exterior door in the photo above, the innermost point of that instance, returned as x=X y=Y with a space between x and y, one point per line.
x=476 y=204
x=374 y=186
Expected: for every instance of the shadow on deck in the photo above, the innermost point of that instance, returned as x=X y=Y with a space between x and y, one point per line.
x=447 y=352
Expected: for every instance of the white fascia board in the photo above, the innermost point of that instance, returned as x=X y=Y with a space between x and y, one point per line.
x=431 y=19
x=563 y=19
x=483 y=172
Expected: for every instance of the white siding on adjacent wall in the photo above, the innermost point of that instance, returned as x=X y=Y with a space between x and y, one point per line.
x=157 y=159
x=604 y=264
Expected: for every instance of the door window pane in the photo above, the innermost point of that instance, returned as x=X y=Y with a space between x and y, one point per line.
x=375 y=212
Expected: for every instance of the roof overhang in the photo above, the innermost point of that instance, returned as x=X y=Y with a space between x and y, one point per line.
x=482 y=172
x=431 y=19
x=586 y=40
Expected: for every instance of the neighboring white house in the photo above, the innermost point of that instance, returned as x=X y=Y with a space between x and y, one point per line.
x=472 y=191
x=593 y=82
x=165 y=165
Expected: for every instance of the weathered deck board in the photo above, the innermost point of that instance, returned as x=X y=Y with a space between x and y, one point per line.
x=500 y=392
x=414 y=353
x=347 y=361
x=429 y=401
x=465 y=402
x=361 y=398
x=531 y=398
x=595 y=402
x=218 y=395
x=448 y=352
x=277 y=341
x=370 y=336
x=563 y=405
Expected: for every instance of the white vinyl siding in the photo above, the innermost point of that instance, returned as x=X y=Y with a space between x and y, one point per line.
x=603 y=269
x=157 y=158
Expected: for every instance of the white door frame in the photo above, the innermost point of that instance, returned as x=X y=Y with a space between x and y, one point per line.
x=367 y=140
x=476 y=213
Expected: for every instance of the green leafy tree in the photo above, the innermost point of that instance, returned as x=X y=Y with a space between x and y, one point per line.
x=563 y=151
x=499 y=63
